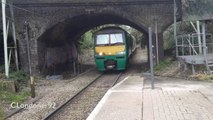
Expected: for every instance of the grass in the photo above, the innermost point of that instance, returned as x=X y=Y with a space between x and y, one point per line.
x=14 y=97
x=162 y=65
x=166 y=65
x=2 y=114
x=20 y=77
x=205 y=77
x=7 y=97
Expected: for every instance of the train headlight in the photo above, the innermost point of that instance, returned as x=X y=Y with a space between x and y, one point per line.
x=100 y=54
x=120 y=53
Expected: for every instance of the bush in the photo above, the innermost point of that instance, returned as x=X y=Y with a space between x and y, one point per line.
x=20 y=77
x=1 y=114
x=86 y=41
x=162 y=65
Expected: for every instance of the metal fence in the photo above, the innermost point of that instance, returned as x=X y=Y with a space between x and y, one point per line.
x=192 y=44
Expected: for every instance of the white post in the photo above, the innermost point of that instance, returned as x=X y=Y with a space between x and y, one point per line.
x=199 y=37
x=205 y=52
x=3 y=3
x=204 y=38
x=14 y=36
x=175 y=27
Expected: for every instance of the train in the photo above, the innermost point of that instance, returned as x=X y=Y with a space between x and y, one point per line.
x=113 y=47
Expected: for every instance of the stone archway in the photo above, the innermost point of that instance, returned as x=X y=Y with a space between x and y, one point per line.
x=62 y=36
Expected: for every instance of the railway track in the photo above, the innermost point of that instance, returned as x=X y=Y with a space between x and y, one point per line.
x=79 y=107
x=55 y=97
x=82 y=103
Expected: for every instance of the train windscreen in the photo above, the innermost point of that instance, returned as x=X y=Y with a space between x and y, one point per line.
x=109 y=39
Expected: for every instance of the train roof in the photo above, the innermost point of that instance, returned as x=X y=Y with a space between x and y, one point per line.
x=111 y=29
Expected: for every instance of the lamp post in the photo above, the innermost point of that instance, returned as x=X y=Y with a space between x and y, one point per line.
x=175 y=27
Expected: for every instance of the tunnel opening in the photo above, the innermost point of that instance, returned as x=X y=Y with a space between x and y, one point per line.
x=58 y=46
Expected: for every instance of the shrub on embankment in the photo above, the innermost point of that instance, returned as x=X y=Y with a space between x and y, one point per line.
x=171 y=68
x=1 y=114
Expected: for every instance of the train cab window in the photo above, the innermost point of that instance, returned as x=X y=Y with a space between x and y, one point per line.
x=102 y=39
x=109 y=39
x=116 y=38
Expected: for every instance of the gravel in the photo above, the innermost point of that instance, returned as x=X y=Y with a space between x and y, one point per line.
x=55 y=96
x=82 y=106
x=57 y=92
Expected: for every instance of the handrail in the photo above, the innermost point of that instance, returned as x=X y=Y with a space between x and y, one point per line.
x=192 y=46
x=189 y=44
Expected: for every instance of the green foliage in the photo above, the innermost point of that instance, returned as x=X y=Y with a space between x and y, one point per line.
x=182 y=28
x=134 y=32
x=20 y=77
x=200 y=68
x=14 y=97
x=168 y=38
x=86 y=40
x=197 y=9
x=162 y=65
x=1 y=114
x=210 y=27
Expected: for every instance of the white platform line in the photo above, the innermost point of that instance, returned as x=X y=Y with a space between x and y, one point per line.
x=103 y=100
x=120 y=82
x=117 y=91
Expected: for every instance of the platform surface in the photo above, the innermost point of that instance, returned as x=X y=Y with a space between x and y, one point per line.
x=122 y=102
x=172 y=99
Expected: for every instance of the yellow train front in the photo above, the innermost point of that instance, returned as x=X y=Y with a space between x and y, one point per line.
x=112 y=48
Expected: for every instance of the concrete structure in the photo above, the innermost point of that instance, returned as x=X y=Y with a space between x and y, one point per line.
x=60 y=22
x=122 y=102
x=196 y=59
x=57 y=23
x=172 y=99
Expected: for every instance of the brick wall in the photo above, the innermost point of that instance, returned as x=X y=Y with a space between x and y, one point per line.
x=42 y=20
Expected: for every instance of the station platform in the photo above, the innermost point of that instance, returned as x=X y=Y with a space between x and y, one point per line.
x=172 y=99
x=122 y=102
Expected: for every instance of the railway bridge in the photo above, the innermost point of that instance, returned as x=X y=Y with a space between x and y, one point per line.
x=56 y=23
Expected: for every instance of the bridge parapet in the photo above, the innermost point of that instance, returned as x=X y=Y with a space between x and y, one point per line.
x=91 y=1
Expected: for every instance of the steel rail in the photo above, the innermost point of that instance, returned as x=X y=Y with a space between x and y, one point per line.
x=36 y=99
x=51 y=114
x=117 y=78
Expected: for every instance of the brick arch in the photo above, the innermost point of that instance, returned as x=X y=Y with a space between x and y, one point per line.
x=69 y=31
x=50 y=15
x=81 y=23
